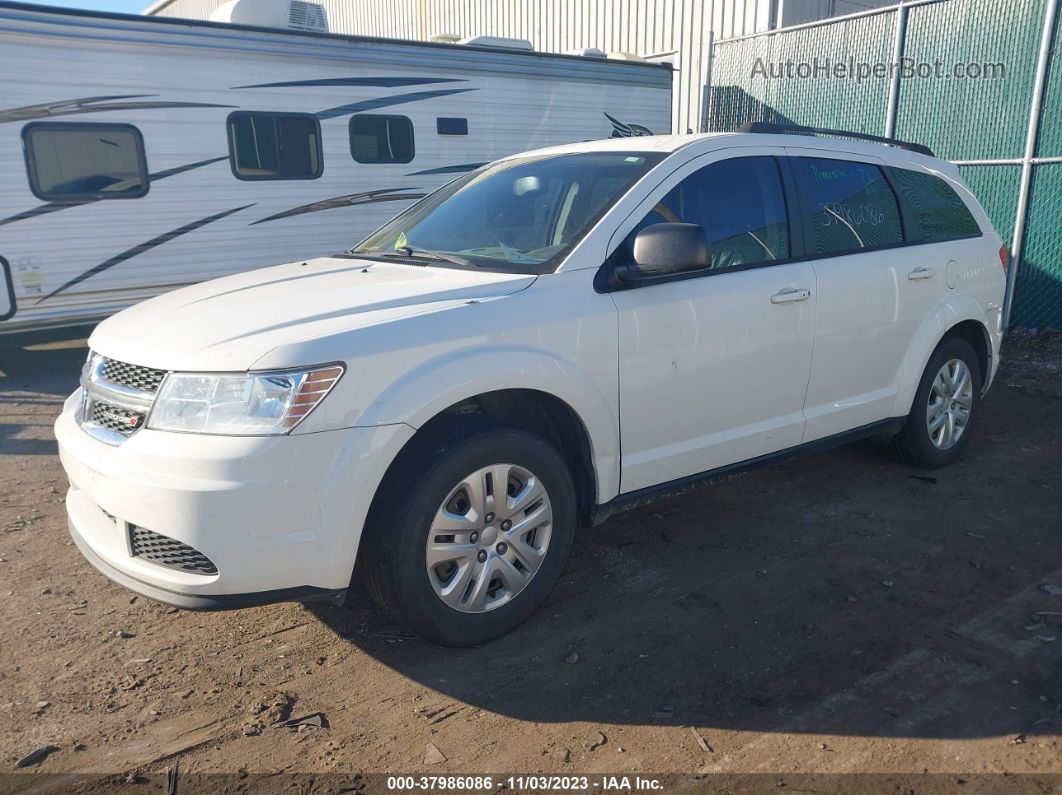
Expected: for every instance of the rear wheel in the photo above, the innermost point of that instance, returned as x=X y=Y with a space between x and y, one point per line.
x=945 y=408
x=469 y=534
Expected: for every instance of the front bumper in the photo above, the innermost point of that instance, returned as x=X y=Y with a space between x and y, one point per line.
x=280 y=517
x=305 y=593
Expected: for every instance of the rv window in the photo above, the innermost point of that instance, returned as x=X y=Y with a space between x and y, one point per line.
x=274 y=145
x=451 y=126
x=381 y=139
x=70 y=161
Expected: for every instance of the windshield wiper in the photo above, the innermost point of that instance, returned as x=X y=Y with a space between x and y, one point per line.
x=411 y=251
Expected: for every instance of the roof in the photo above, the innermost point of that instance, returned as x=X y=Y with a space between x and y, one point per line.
x=720 y=140
x=100 y=19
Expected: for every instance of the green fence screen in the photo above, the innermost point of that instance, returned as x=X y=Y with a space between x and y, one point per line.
x=962 y=118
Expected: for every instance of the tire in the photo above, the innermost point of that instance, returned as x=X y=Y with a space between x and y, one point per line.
x=916 y=444
x=393 y=561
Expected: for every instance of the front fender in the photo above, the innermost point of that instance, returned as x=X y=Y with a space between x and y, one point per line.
x=435 y=385
x=947 y=314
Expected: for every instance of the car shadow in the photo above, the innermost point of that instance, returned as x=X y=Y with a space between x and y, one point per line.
x=841 y=594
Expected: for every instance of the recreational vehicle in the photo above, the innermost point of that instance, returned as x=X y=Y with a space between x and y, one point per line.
x=140 y=154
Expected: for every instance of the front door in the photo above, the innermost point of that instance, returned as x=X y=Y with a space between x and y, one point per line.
x=713 y=367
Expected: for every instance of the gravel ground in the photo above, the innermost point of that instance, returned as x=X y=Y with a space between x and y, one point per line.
x=836 y=614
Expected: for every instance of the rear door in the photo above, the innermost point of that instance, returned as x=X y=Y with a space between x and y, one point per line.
x=874 y=290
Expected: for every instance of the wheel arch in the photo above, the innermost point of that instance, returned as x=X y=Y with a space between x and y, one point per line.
x=537 y=412
x=961 y=316
x=525 y=388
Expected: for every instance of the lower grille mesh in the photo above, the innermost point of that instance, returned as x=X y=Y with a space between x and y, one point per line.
x=164 y=551
x=115 y=418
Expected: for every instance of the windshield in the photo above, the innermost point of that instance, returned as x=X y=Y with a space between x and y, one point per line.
x=521 y=215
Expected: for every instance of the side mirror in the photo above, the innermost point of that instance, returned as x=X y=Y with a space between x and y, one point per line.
x=666 y=249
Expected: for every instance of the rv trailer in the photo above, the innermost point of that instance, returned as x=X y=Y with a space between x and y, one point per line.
x=140 y=154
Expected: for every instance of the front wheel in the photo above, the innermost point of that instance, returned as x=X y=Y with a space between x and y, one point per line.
x=469 y=534
x=946 y=407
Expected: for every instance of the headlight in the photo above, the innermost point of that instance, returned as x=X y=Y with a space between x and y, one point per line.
x=240 y=404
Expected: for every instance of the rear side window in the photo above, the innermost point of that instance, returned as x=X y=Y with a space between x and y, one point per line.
x=381 y=139
x=274 y=145
x=68 y=161
x=936 y=207
x=739 y=203
x=847 y=206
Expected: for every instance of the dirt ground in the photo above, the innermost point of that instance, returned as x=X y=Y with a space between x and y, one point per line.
x=836 y=614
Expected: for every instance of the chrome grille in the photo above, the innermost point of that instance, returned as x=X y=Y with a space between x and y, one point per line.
x=132 y=376
x=115 y=418
x=116 y=397
x=165 y=551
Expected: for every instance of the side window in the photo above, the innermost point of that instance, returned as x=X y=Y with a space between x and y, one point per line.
x=274 y=145
x=740 y=204
x=847 y=206
x=451 y=126
x=936 y=207
x=70 y=161
x=381 y=139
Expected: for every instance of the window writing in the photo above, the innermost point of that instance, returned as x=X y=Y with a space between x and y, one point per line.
x=847 y=206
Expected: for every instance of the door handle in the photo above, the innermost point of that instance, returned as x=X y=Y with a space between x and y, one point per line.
x=921 y=273
x=789 y=295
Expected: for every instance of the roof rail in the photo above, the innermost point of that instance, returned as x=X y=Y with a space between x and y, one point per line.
x=767 y=127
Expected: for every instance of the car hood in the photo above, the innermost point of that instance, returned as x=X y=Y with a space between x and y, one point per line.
x=232 y=322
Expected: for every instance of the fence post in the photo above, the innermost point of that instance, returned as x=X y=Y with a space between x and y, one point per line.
x=706 y=89
x=894 y=77
x=1035 y=112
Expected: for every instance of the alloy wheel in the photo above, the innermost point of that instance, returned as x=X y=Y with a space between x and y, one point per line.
x=950 y=404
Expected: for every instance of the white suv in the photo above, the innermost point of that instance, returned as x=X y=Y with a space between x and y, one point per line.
x=549 y=339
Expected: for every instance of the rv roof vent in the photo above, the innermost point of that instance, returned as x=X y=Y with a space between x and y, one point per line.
x=307 y=16
x=586 y=52
x=498 y=41
x=445 y=38
x=285 y=14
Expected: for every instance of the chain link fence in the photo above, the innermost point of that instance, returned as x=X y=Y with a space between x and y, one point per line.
x=978 y=81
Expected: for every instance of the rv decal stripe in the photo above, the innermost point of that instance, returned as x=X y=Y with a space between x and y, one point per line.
x=380 y=82
x=37 y=111
x=461 y=167
x=51 y=207
x=369 y=197
x=147 y=246
x=73 y=107
x=169 y=172
x=383 y=102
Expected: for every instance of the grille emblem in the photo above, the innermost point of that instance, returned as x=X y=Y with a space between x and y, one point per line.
x=117 y=398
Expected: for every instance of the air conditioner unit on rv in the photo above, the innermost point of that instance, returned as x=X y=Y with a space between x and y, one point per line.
x=284 y=14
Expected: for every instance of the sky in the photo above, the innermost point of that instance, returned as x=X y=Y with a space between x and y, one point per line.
x=117 y=6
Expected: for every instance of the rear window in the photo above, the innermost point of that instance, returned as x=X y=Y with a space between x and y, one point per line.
x=936 y=207
x=69 y=161
x=847 y=206
x=274 y=145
